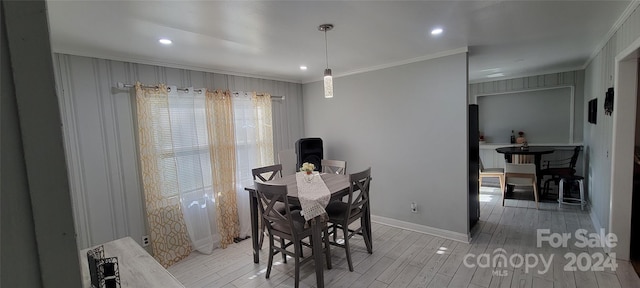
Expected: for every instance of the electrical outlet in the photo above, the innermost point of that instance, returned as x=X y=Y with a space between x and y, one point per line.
x=145 y=241
x=414 y=207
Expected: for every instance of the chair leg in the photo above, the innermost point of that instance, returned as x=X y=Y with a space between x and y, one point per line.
x=479 y=182
x=284 y=256
x=502 y=184
x=501 y=178
x=535 y=192
x=297 y=264
x=335 y=233
x=365 y=234
x=271 y=244
x=561 y=193
x=264 y=228
x=345 y=229
x=545 y=187
x=582 y=201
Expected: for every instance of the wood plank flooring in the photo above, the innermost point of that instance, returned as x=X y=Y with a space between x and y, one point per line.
x=403 y=258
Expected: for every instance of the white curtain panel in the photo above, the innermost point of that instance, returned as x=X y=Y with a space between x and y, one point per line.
x=246 y=151
x=189 y=132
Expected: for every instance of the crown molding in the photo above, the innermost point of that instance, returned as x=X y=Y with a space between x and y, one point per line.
x=166 y=64
x=623 y=17
x=525 y=75
x=397 y=63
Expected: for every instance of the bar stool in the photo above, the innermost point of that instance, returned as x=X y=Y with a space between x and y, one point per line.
x=571 y=201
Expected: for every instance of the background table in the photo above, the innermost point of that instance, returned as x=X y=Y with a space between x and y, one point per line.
x=536 y=151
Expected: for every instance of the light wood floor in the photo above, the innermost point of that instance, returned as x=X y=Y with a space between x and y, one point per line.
x=403 y=258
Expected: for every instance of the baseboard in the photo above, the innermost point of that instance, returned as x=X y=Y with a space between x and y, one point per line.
x=456 y=236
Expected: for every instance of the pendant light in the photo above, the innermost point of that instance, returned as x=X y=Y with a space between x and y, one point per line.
x=328 y=79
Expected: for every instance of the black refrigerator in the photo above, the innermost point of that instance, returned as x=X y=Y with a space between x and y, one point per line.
x=474 y=166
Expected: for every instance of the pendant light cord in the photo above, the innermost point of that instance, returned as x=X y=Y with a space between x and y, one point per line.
x=326 y=48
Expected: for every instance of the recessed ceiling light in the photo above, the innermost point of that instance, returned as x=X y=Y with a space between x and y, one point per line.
x=436 y=31
x=494 y=75
x=165 y=41
x=302 y=67
x=492 y=70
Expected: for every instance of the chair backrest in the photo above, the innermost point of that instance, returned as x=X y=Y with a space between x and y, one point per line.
x=527 y=168
x=520 y=174
x=288 y=160
x=574 y=157
x=272 y=171
x=334 y=166
x=359 y=182
x=268 y=196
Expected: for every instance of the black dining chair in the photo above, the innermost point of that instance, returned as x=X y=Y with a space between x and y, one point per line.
x=342 y=214
x=264 y=174
x=557 y=169
x=289 y=226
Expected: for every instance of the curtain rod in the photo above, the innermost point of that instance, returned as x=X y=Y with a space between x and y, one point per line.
x=123 y=85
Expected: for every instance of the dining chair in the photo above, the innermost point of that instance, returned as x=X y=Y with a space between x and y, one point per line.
x=521 y=175
x=342 y=214
x=287 y=158
x=265 y=174
x=491 y=173
x=559 y=168
x=334 y=166
x=288 y=225
x=271 y=171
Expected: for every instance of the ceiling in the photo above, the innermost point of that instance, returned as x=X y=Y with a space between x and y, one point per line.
x=272 y=39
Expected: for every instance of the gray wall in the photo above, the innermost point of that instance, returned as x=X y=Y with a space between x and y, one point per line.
x=19 y=262
x=38 y=238
x=100 y=132
x=409 y=123
x=599 y=75
x=518 y=86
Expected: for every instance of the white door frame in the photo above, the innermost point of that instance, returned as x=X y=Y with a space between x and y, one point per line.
x=622 y=147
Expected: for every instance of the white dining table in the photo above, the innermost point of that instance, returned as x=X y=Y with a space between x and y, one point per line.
x=338 y=186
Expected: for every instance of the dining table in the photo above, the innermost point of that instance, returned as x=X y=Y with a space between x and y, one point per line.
x=338 y=186
x=536 y=151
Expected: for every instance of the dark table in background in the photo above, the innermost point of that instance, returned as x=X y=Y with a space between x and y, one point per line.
x=536 y=151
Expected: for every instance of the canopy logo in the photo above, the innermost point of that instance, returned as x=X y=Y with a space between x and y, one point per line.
x=502 y=262
x=499 y=259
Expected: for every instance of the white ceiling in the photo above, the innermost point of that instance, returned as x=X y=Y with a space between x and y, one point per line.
x=271 y=39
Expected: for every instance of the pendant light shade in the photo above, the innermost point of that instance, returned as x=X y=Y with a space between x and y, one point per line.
x=328 y=78
x=328 y=84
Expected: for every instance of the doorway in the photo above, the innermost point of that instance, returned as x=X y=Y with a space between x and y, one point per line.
x=635 y=206
x=622 y=148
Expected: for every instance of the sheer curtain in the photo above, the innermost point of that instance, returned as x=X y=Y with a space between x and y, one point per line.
x=254 y=145
x=222 y=147
x=197 y=151
x=168 y=231
x=188 y=126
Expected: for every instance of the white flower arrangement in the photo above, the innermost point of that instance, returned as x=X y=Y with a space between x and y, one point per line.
x=307 y=167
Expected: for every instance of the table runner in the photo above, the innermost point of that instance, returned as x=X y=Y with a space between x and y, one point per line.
x=314 y=196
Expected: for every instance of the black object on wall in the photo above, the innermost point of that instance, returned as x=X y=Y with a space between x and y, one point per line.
x=608 y=101
x=309 y=150
x=593 y=111
x=474 y=166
